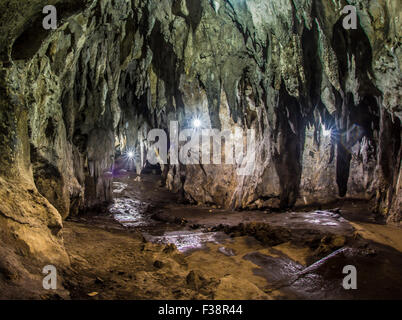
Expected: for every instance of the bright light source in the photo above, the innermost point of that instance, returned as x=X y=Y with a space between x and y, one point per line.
x=326 y=132
x=197 y=123
x=130 y=154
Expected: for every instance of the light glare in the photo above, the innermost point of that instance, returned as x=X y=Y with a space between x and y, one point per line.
x=326 y=132
x=197 y=123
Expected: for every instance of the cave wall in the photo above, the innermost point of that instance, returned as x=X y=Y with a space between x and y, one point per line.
x=69 y=88
x=285 y=69
x=58 y=115
x=112 y=71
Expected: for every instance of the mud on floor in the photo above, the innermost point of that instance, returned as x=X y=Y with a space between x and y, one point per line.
x=150 y=247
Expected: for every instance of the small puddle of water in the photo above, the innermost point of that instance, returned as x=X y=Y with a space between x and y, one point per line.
x=129 y=212
x=133 y=213
x=187 y=240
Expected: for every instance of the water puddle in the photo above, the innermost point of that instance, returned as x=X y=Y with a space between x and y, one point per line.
x=188 y=240
x=129 y=212
x=323 y=218
x=274 y=269
x=227 y=251
x=119 y=187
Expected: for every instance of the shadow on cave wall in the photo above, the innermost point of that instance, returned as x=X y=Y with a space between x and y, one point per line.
x=354 y=121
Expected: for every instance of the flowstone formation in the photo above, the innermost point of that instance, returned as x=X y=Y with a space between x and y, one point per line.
x=72 y=97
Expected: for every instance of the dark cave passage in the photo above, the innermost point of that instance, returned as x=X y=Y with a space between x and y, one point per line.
x=200 y=149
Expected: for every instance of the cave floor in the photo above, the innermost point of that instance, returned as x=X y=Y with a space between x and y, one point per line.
x=127 y=252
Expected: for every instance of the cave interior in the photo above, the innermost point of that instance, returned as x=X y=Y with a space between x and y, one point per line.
x=200 y=149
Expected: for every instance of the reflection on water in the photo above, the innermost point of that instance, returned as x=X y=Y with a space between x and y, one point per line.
x=323 y=218
x=129 y=212
x=119 y=187
x=133 y=213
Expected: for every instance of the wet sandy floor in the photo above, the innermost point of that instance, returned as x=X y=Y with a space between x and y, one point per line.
x=226 y=255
